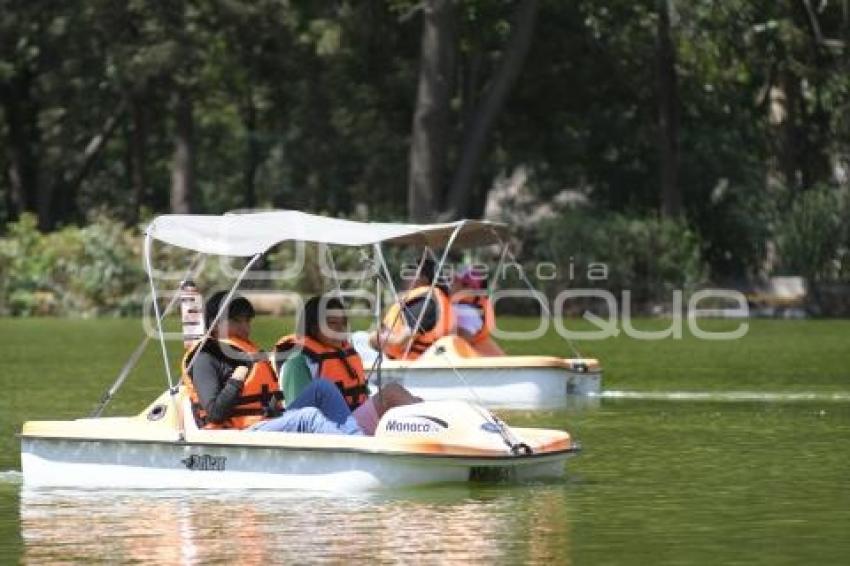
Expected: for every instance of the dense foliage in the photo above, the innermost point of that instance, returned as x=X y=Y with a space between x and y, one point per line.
x=650 y=257
x=136 y=108
x=87 y=270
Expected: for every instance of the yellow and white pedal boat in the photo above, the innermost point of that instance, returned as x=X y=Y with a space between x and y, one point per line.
x=450 y=369
x=162 y=447
x=437 y=441
x=445 y=371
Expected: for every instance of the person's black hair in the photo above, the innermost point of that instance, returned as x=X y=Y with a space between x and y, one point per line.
x=238 y=307
x=308 y=320
x=428 y=270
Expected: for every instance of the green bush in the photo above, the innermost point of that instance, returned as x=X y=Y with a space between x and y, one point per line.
x=98 y=270
x=74 y=271
x=809 y=237
x=105 y=274
x=647 y=255
x=735 y=225
x=25 y=266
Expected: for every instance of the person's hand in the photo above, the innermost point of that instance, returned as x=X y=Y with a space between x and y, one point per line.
x=240 y=373
x=380 y=338
x=398 y=338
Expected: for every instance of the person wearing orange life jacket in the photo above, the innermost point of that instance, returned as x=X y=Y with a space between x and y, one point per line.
x=473 y=312
x=399 y=328
x=320 y=351
x=232 y=385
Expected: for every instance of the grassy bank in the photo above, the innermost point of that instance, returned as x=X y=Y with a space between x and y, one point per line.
x=58 y=368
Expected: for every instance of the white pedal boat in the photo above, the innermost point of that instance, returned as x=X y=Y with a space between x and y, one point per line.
x=506 y=382
x=162 y=448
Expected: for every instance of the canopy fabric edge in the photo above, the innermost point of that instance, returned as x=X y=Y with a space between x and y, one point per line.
x=247 y=234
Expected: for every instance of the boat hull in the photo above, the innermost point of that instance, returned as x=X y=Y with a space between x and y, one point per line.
x=443 y=372
x=498 y=387
x=127 y=464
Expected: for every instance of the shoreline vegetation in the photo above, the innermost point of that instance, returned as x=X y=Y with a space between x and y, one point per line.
x=96 y=270
x=680 y=148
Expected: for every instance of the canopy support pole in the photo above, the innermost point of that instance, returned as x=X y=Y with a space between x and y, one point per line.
x=545 y=306
x=433 y=284
x=192 y=272
x=330 y=257
x=426 y=251
x=222 y=309
x=502 y=255
x=376 y=365
x=157 y=313
x=383 y=266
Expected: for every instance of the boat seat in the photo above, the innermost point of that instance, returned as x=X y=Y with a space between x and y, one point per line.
x=189 y=424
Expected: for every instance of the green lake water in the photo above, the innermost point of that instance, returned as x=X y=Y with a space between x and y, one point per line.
x=658 y=482
x=672 y=481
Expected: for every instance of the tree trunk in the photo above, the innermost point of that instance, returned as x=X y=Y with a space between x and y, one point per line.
x=845 y=33
x=430 y=135
x=9 y=207
x=182 y=172
x=845 y=66
x=45 y=209
x=668 y=114
x=816 y=149
x=69 y=181
x=22 y=130
x=138 y=151
x=470 y=84
x=252 y=153
x=788 y=95
x=475 y=137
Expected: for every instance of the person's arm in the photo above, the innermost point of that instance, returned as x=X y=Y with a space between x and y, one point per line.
x=216 y=400
x=385 y=337
x=296 y=376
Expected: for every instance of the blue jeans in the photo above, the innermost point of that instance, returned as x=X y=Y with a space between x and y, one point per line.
x=320 y=408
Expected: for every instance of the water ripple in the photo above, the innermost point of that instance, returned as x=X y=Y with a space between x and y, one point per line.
x=11 y=476
x=728 y=396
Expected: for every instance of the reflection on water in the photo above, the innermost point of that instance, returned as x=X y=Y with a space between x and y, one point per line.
x=446 y=523
x=10 y=534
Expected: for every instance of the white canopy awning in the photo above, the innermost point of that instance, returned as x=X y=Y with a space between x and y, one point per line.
x=247 y=234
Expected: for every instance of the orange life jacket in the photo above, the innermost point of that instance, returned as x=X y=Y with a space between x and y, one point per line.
x=260 y=397
x=343 y=367
x=481 y=302
x=422 y=340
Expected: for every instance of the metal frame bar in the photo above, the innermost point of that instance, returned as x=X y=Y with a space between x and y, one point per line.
x=222 y=309
x=433 y=284
x=194 y=269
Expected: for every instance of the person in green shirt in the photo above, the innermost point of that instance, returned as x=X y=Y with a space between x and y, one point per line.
x=296 y=376
x=320 y=350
